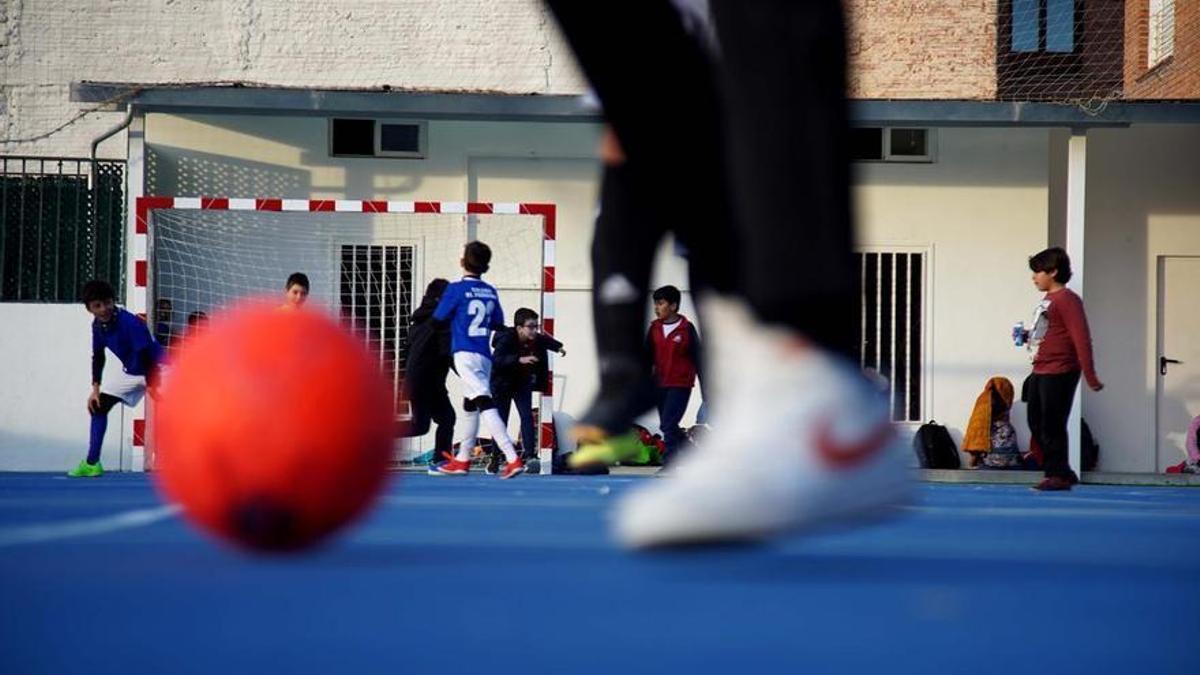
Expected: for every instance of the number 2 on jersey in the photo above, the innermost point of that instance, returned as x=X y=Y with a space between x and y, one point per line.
x=480 y=314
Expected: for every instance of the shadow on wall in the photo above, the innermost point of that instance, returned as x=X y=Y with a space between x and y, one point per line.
x=178 y=171
x=183 y=172
x=25 y=452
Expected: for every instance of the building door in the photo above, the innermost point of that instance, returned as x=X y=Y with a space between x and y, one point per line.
x=1178 y=359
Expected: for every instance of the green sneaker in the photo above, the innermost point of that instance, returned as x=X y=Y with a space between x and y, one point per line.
x=85 y=470
x=595 y=447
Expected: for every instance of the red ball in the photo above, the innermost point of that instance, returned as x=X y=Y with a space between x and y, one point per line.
x=273 y=429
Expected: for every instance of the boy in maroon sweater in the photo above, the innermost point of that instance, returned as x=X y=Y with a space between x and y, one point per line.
x=675 y=346
x=1062 y=346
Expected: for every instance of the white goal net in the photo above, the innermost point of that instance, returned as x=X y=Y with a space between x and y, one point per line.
x=370 y=269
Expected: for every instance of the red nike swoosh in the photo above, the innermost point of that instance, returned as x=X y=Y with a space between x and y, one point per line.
x=845 y=455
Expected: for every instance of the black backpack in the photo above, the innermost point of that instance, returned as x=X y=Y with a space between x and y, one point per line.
x=934 y=447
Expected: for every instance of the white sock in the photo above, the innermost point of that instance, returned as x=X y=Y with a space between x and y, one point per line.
x=470 y=427
x=490 y=419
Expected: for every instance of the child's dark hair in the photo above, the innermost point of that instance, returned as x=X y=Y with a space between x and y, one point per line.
x=296 y=278
x=434 y=291
x=476 y=257
x=196 y=317
x=668 y=293
x=97 y=289
x=522 y=315
x=1054 y=259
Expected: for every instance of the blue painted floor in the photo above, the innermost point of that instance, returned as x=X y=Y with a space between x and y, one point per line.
x=478 y=575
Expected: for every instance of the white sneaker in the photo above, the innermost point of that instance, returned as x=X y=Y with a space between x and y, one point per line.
x=802 y=440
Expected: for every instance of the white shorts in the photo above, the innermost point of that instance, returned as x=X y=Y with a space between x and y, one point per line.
x=475 y=371
x=129 y=388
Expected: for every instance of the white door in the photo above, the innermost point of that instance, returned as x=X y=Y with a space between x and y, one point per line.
x=1178 y=358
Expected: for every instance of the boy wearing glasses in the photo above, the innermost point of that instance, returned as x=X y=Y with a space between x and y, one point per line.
x=521 y=366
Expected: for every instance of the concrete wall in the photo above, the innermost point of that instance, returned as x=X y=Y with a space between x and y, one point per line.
x=979 y=210
x=467 y=161
x=45 y=355
x=1142 y=202
x=920 y=49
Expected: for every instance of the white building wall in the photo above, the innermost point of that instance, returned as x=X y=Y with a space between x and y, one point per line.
x=1143 y=201
x=467 y=161
x=980 y=210
x=46 y=359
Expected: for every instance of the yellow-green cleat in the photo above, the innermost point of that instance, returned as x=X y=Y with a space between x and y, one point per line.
x=85 y=470
x=597 y=447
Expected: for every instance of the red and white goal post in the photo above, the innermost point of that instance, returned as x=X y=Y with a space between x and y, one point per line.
x=367 y=261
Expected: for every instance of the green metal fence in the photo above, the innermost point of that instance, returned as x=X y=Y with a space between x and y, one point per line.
x=56 y=230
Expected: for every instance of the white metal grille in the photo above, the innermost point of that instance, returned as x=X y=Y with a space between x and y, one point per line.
x=891 y=324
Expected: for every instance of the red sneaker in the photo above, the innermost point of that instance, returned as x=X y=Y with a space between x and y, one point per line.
x=451 y=467
x=512 y=469
x=1053 y=484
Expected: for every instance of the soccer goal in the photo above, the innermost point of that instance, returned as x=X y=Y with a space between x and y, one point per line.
x=368 y=263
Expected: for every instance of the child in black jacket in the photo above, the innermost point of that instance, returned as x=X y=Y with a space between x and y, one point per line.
x=425 y=375
x=521 y=366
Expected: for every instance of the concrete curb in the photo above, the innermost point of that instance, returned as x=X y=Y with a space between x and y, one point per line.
x=974 y=476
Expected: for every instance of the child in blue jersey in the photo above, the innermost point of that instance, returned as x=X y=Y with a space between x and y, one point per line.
x=472 y=307
x=129 y=338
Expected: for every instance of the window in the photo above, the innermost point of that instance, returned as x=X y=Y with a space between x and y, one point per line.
x=866 y=144
x=890 y=324
x=1060 y=26
x=908 y=144
x=1025 y=25
x=61 y=223
x=1043 y=25
x=1161 y=31
x=891 y=144
x=376 y=138
x=403 y=139
x=353 y=138
x=375 y=293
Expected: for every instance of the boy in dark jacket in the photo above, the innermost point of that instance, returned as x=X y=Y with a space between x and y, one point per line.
x=521 y=366
x=425 y=377
x=675 y=346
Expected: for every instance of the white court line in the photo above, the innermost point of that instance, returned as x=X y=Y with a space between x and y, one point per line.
x=85 y=527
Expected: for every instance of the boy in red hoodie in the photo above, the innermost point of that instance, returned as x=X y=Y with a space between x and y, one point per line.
x=1062 y=346
x=675 y=346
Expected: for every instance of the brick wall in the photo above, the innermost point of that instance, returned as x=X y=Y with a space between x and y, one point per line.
x=1178 y=76
x=899 y=49
x=1093 y=70
x=924 y=49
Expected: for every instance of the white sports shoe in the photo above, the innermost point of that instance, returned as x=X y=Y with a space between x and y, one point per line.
x=803 y=440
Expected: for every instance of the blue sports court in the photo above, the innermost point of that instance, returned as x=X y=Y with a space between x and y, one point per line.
x=477 y=575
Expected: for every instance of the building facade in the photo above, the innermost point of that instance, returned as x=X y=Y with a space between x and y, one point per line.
x=955 y=188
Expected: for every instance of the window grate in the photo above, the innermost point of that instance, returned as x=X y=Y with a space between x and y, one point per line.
x=375 y=293
x=890 y=324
